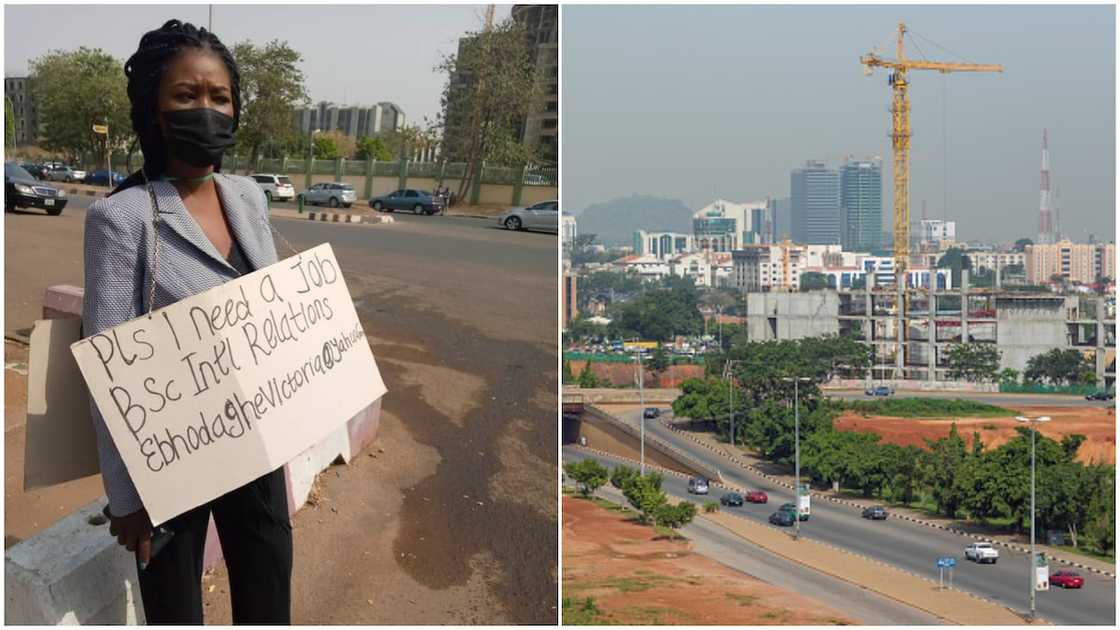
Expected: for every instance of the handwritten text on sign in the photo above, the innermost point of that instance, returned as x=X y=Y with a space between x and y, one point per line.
x=218 y=389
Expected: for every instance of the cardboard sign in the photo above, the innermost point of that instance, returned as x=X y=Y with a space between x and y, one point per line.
x=218 y=389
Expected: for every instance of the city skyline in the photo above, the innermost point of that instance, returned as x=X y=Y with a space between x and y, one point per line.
x=754 y=98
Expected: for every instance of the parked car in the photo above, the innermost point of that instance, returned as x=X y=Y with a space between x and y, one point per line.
x=275 y=187
x=333 y=194
x=66 y=174
x=881 y=390
x=418 y=201
x=651 y=412
x=698 y=485
x=792 y=509
x=544 y=216
x=981 y=552
x=1067 y=579
x=732 y=499
x=781 y=518
x=757 y=496
x=875 y=513
x=22 y=190
x=101 y=178
x=1100 y=395
x=38 y=171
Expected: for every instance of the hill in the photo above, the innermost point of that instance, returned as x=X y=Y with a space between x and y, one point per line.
x=615 y=221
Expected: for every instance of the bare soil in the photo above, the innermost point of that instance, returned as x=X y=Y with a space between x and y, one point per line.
x=626 y=374
x=1097 y=424
x=635 y=578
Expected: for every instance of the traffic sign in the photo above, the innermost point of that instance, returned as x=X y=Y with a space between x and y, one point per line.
x=947 y=562
x=101 y=129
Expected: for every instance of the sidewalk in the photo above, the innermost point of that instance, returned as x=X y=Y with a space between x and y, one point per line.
x=778 y=474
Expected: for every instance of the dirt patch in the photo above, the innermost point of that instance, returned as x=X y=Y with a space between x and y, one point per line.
x=618 y=374
x=1097 y=424
x=636 y=578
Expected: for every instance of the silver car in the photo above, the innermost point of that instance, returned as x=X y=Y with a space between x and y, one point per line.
x=333 y=194
x=544 y=216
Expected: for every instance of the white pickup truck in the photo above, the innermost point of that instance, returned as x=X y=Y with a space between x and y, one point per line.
x=981 y=552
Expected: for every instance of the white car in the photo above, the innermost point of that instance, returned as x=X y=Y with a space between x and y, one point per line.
x=981 y=552
x=543 y=216
x=275 y=187
x=698 y=485
x=333 y=194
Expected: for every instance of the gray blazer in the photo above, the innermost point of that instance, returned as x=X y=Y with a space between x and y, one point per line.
x=118 y=261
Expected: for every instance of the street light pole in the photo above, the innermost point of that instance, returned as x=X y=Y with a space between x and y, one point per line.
x=1031 y=562
x=642 y=405
x=796 y=451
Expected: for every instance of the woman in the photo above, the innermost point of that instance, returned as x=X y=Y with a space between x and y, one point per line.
x=174 y=229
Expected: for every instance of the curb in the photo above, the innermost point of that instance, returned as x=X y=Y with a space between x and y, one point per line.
x=775 y=480
x=337 y=217
x=664 y=471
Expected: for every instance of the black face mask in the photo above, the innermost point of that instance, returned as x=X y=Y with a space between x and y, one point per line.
x=198 y=137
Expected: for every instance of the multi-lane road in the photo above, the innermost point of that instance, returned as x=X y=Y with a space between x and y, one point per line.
x=1000 y=399
x=903 y=544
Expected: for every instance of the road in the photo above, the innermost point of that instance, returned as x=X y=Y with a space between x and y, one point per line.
x=999 y=399
x=909 y=546
x=458 y=511
x=715 y=542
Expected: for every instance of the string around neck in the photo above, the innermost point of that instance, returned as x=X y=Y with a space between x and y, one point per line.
x=187 y=180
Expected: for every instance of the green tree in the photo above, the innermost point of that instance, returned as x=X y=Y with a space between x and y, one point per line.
x=1100 y=521
x=588 y=473
x=272 y=87
x=943 y=471
x=373 y=148
x=491 y=86
x=645 y=495
x=621 y=475
x=813 y=281
x=9 y=125
x=973 y=361
x=658 y=363
x=579 y=328
x=956 y=260
x=676 y=516
x=76 y=90
x=660 y=314
x=1021 y=244
x=568 y=377
x=1070 y=443
x=587 y=378
x=325 y=148
x=1060 y=367
x=904 y=471
x=1009 y=376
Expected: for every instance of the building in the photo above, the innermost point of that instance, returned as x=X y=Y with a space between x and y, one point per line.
x=936 y=231
x=542 y=127
x=991 y=261
x=568 y=229
x=760 y=268
x=1074 y=262
x=663 y=245
x=815 y=202
x=648 y=267
x=723 y=226
x=861 y=200
x=706 y=269
x=570 y=308
x=356 y=121
x=25 y=112
x=781 y=218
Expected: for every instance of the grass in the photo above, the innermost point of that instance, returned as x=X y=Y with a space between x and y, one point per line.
x=668 y=533
x=640 y=581
x=582 y=613
x=743 y=600
x=1088 y=553
x=928 y=408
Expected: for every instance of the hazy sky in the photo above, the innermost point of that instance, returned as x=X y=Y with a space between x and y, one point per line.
x=699 y=102
x=351 y=53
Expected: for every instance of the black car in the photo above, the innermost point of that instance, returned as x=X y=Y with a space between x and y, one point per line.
x=418 y=201
x=781 y=518
x=875 y=513
x=732 y=499
x=651 y=412
x=1101 y=395
x=22 y=190
x=38 y=171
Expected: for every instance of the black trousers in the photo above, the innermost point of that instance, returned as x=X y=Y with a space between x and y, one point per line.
x=256 y=536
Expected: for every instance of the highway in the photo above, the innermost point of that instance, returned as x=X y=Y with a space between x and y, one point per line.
x=715 y=542
x=999 y=399
x=911 y=546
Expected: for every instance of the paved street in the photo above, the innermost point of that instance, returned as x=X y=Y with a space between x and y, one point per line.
x=452 y=516
x=910 y=546
x=999 y=399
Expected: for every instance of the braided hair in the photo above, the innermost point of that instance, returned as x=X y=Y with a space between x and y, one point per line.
x=145 y=69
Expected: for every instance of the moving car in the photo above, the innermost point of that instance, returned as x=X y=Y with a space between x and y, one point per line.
x=61 y=173
x=981 y=552
x=881 y=390
x=651 y=412
x=275 y=187
x=792 y=509
x=418 y=201
x=333 y=194
x=733 y=499
x=698 y=485
x=781 y=518
x=22 y=190
x=101 y=178
x=544 y=216
x=757 y=496
x=1067 y=579
x=1100 y=395
x=875 y=513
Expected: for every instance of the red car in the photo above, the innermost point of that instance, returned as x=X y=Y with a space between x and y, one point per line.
x=757 y=496
x=1067 y=579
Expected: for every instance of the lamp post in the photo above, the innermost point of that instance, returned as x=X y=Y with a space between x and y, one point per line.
x=797 y=451
x=1031 y=563
x=642 y=408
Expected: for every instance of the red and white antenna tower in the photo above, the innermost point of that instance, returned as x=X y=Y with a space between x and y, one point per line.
x=1045 y=212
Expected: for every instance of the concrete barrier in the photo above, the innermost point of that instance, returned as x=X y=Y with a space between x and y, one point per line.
x=75 y=572
x=683 y=460
x=623 y=396
x=914 y=386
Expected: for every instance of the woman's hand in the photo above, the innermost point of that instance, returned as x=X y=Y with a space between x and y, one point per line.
x=134 y=531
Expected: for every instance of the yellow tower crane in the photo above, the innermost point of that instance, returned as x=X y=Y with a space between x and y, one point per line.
x=900 y=136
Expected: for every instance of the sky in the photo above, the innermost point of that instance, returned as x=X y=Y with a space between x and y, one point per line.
x=352 y=54
x=700 y=102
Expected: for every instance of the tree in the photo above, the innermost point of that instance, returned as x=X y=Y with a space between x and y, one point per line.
x=587 y=378
x=325 y=147
x=588 y=473
x=1009 y=376
x=1060 y=367
x=271 y=89
x=645 y=495
x=344 y=145
x=568 y=377
x=373 y=148
x=658 y=363
x=676 y=516
x=904 y=471
x=1070 y=444
x=621 y=475
x=813 y=280
x=956 y=260
x=491 y=87
x=580 y=328
x=973 y=361
x=660 y=314
x=1021 y=244
x=76 y=90
x=944 y=468
x=9 y=125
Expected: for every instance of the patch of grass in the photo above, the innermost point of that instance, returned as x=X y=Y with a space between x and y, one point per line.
x=582 y=613
x=777 y=615
x=928 y=408
x=650 y=616
x=988 y=426
x=744 y=600
x=1089 y=553
x=640 y=581
x=568 y=491
x=608 y=505
x=668 y=533
x=833 y=621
